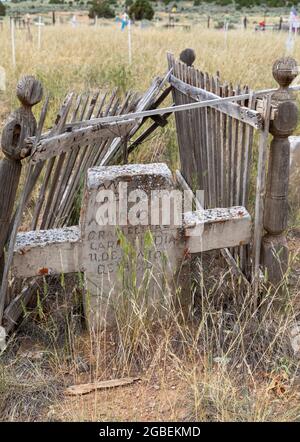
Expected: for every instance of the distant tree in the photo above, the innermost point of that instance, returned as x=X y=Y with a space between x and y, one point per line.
x=141 y=9
x=226 y=2
x=2 y=9
x=101 y=8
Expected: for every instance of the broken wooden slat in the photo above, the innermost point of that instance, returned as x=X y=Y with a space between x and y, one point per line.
x=51 y=162
x=219 y=166
x=113 y=153
x=214 y=174
x=76 y=390
x=99 y=112
x=177 y=97
x=209 y=147
x=236 y=161
x=260 y=191
x=243 y=165
x=70 y=162
x=15 y=309
x=224 y=169
x=205 y=167
x=57 y=129
x=92 y=105
x=241 y=113
x=84 y=107
x=248 y=155
x=83 y=137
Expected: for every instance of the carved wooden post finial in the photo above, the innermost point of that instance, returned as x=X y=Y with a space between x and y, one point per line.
x=285 y=70
x=274 y=246
x=188 y=56
x=20 y=125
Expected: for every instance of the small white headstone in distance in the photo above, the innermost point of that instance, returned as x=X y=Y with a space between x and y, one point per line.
x=2 y=79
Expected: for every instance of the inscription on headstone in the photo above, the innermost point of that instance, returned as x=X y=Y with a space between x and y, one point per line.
x=129 y=252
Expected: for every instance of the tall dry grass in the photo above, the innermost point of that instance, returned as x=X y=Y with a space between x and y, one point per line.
x=228 y=360
x=88 y=57
x=232 y=361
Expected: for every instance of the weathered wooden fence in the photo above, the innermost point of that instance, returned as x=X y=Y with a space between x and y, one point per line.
x=58 y=162
x=217 y=149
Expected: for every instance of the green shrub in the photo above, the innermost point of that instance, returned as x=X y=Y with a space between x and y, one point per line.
x=141 y=10
x=101 y=8
x=2 y=9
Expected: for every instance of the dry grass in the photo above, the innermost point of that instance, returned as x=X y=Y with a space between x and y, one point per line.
x=228 y=361
x=88 y=57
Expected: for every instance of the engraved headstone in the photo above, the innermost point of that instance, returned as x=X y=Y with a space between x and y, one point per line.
x=128 y=246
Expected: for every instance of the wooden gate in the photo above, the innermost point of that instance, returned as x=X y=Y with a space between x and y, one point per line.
x=216 y=145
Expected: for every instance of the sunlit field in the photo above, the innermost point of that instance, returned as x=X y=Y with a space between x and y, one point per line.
x=89 y=57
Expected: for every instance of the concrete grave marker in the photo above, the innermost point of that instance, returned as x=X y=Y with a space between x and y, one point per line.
x=131 y=237
x=122 y=247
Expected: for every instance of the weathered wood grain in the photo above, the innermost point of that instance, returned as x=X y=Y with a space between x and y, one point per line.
x=241 y=113
x=20 y=125
x=20 y=208
x=260 y=194
x=81 y=138
x=274 y=246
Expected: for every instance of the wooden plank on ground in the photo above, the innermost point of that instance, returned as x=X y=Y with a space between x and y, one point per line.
x=79 y=390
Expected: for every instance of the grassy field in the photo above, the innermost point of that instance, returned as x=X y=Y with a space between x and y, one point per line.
x=229 y=362
x=87 y=57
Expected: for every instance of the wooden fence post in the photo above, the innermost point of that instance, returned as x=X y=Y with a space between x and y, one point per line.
x=274 y=245
x=20 y=125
